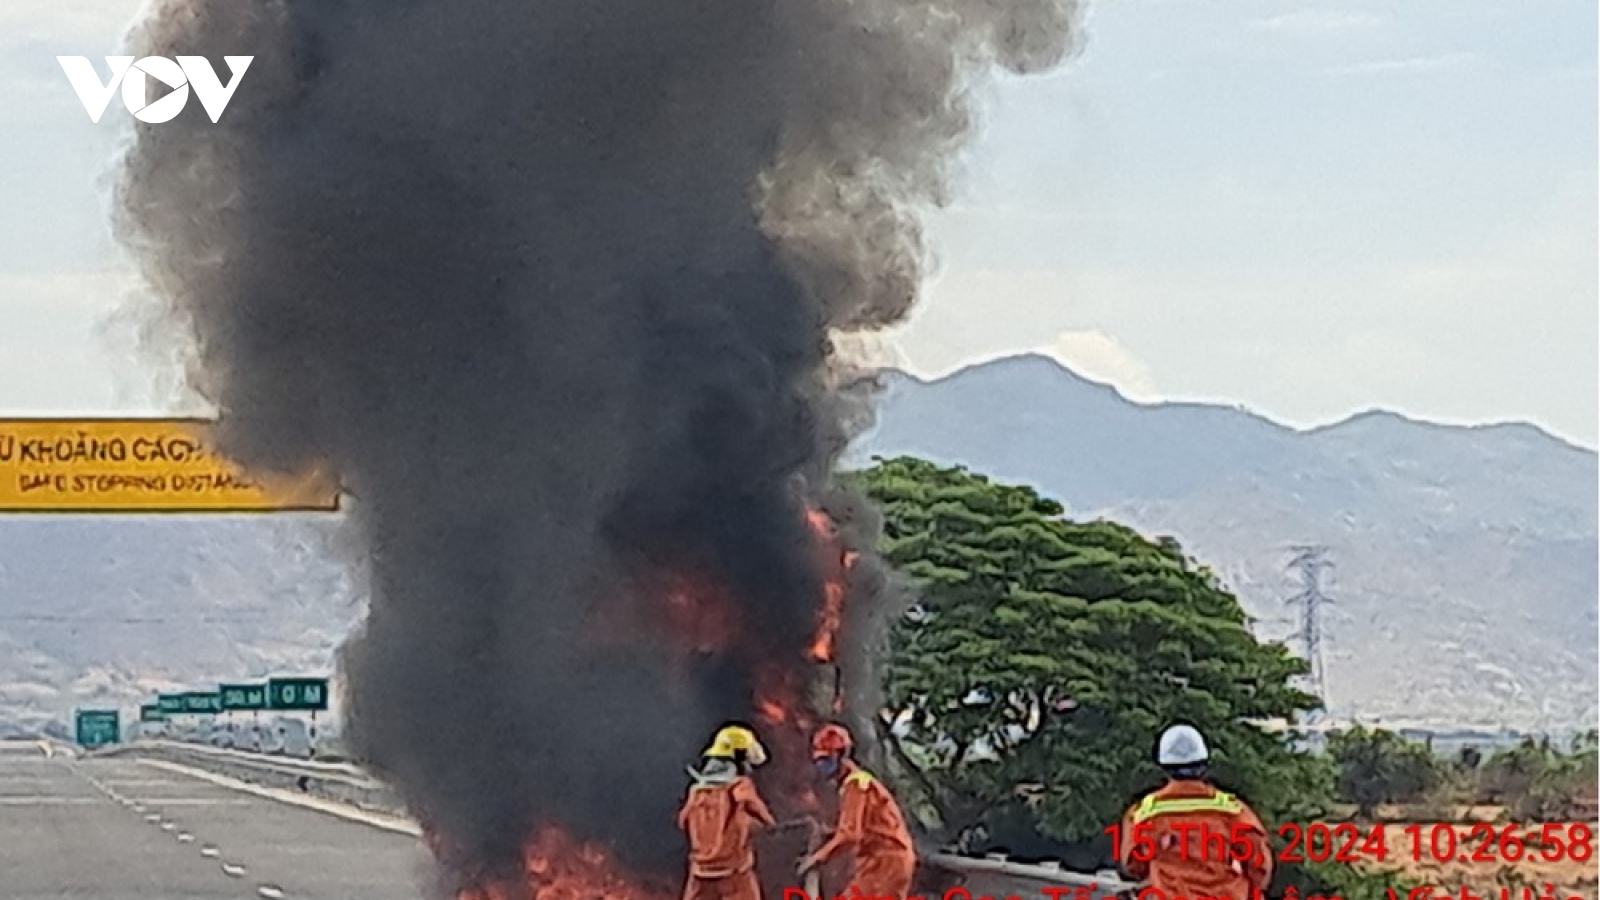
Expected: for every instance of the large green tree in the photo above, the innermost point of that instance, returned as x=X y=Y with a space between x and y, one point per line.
x=1045 y=655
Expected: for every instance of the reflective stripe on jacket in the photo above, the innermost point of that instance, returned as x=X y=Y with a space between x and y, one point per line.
x=1190 y=839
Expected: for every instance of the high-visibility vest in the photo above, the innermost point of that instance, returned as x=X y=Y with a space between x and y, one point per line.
x=1152 y=806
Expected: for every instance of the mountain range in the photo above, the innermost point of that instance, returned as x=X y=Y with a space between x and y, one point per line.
x=1463 y=582
x=109 y=610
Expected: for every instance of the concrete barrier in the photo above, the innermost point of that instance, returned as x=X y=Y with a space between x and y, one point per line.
x=342 y=782
x=938 y=873
x=37 y=747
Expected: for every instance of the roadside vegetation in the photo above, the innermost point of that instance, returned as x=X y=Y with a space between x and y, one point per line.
x=1384 y=775
x=1045 y=654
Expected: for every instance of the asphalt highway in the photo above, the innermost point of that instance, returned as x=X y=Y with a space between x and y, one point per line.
x=120 y=829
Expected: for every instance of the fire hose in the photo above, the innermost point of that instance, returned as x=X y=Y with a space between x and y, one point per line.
x=811 y=878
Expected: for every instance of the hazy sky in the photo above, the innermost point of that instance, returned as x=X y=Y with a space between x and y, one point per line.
x=1305 y=209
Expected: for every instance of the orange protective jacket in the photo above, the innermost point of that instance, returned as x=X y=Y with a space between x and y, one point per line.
x=1190 y=839
x=718 y=820
x=869 y=820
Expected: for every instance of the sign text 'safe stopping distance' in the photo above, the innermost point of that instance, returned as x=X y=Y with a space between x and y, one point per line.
x=136 y=465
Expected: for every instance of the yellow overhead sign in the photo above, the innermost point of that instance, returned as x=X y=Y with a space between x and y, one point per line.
x=136 y=465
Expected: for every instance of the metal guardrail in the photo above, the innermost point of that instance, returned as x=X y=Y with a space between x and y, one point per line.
x=342 y=782
x=993 y=876
x=996 y=873
x=42 y=746
x=287 y=762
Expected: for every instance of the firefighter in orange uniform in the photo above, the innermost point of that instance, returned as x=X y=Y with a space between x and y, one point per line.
x=719 y=816
x=1189 y=839
x=870 y=825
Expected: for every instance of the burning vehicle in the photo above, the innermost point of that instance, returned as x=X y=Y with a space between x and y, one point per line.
x=562 y=292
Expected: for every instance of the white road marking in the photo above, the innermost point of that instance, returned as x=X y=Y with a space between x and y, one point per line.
x=202 y=801
x=46 y=800
x=343 y=811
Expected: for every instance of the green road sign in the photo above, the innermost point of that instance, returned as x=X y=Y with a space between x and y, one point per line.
x=151 y=712
x=243 y=696
x=304 y=694
x=170 y=704
x=98 y=727
x=201 y=702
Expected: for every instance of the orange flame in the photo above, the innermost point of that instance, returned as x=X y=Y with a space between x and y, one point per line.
x=783 y=703
x=771 y=711
x=699 y=613
x=558 y=867
x=836 y=568
x=787 y=722
x=699 y=616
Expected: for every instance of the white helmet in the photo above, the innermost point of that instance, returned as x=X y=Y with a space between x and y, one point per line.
x=1181 y=745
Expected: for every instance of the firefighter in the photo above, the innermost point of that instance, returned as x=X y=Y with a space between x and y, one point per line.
x=720 y=814
x=870 y=825
x=1190 y=839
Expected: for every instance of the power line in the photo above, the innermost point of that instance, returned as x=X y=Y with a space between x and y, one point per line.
x=1309 y=562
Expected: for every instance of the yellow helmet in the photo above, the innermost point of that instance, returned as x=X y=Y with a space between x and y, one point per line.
x=734 y=739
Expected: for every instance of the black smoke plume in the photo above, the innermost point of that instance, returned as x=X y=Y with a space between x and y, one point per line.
x=551 y=286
